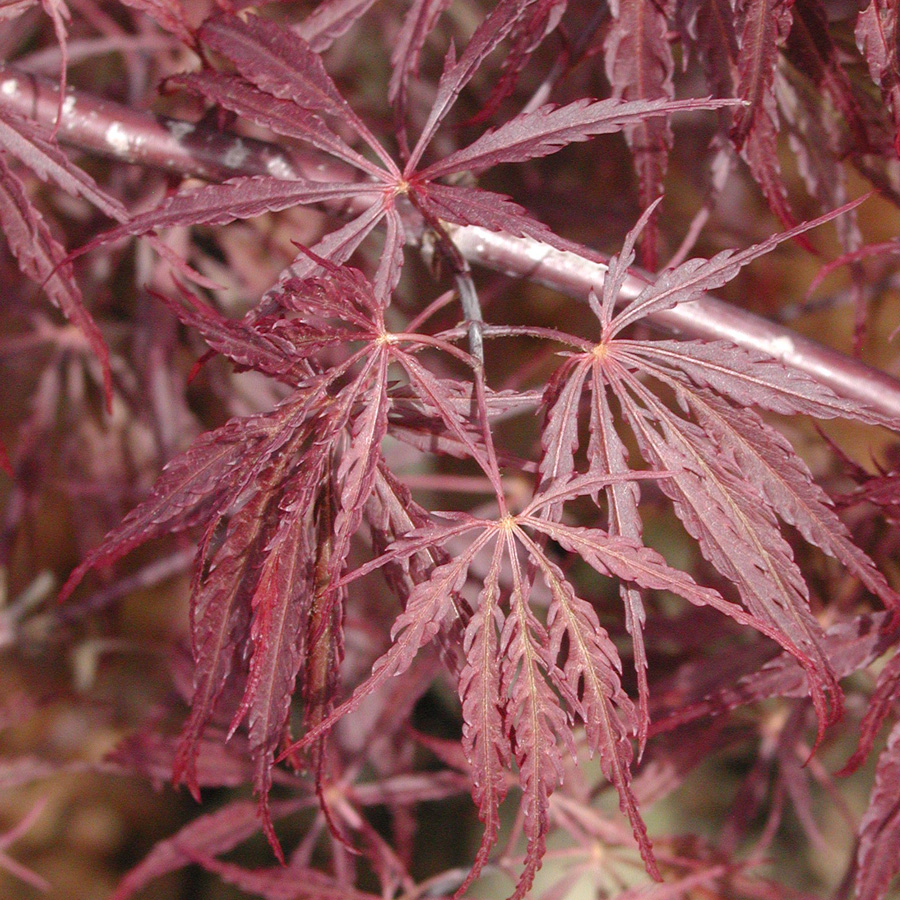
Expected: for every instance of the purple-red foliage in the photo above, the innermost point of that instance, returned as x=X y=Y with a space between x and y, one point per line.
x=327 y=597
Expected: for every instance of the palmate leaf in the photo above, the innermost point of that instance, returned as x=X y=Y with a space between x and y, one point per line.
x=731 y=475
x=511 y=710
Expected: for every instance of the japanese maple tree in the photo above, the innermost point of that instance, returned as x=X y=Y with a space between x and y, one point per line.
x=393 y=486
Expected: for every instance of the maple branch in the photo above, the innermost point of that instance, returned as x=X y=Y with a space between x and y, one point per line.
x=124 y=134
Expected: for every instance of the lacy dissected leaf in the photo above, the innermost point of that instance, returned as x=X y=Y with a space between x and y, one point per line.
x=512 y=710
x=418 y=23
x=237 y=198
x=876 y=37
x=815 y=136
x=639 y=67
x=220 y=621
x=737 y=534
x=708 y=27
x=590 y=682
x=282 y=64
x=541 y=20
x=629 y=560
x=878 y=856
x=280 y=605
x=271 y=350
x=475 y=206
x=764 y=28
x=559 y=436
x=850 y=646
x=769 y=462
x=534 y=722
x=745 y=377
x=32 y=145
x=695 y=276
x=811 y=48
x=362 y=454
x=549 y=128
x=483 y=738
x=336 y=247
x=881 y=704
x=243 y=575
x=430 y=603
x=457 y=73
x=198 y=485
x=608 y=455
x=281 y=116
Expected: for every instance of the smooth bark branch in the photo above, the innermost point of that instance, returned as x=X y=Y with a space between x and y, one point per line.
x=133 y=136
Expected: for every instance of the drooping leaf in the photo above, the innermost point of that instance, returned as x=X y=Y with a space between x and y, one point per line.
x=881 y=703
x=639 y=66
x=878 y=857
x=764 y=26
x=200 y=484
x=541 y=20
x=535 y=723
x=280 y=603
x=590 y=680
x=736 y=534
x=876 y=37
x=483 y=740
